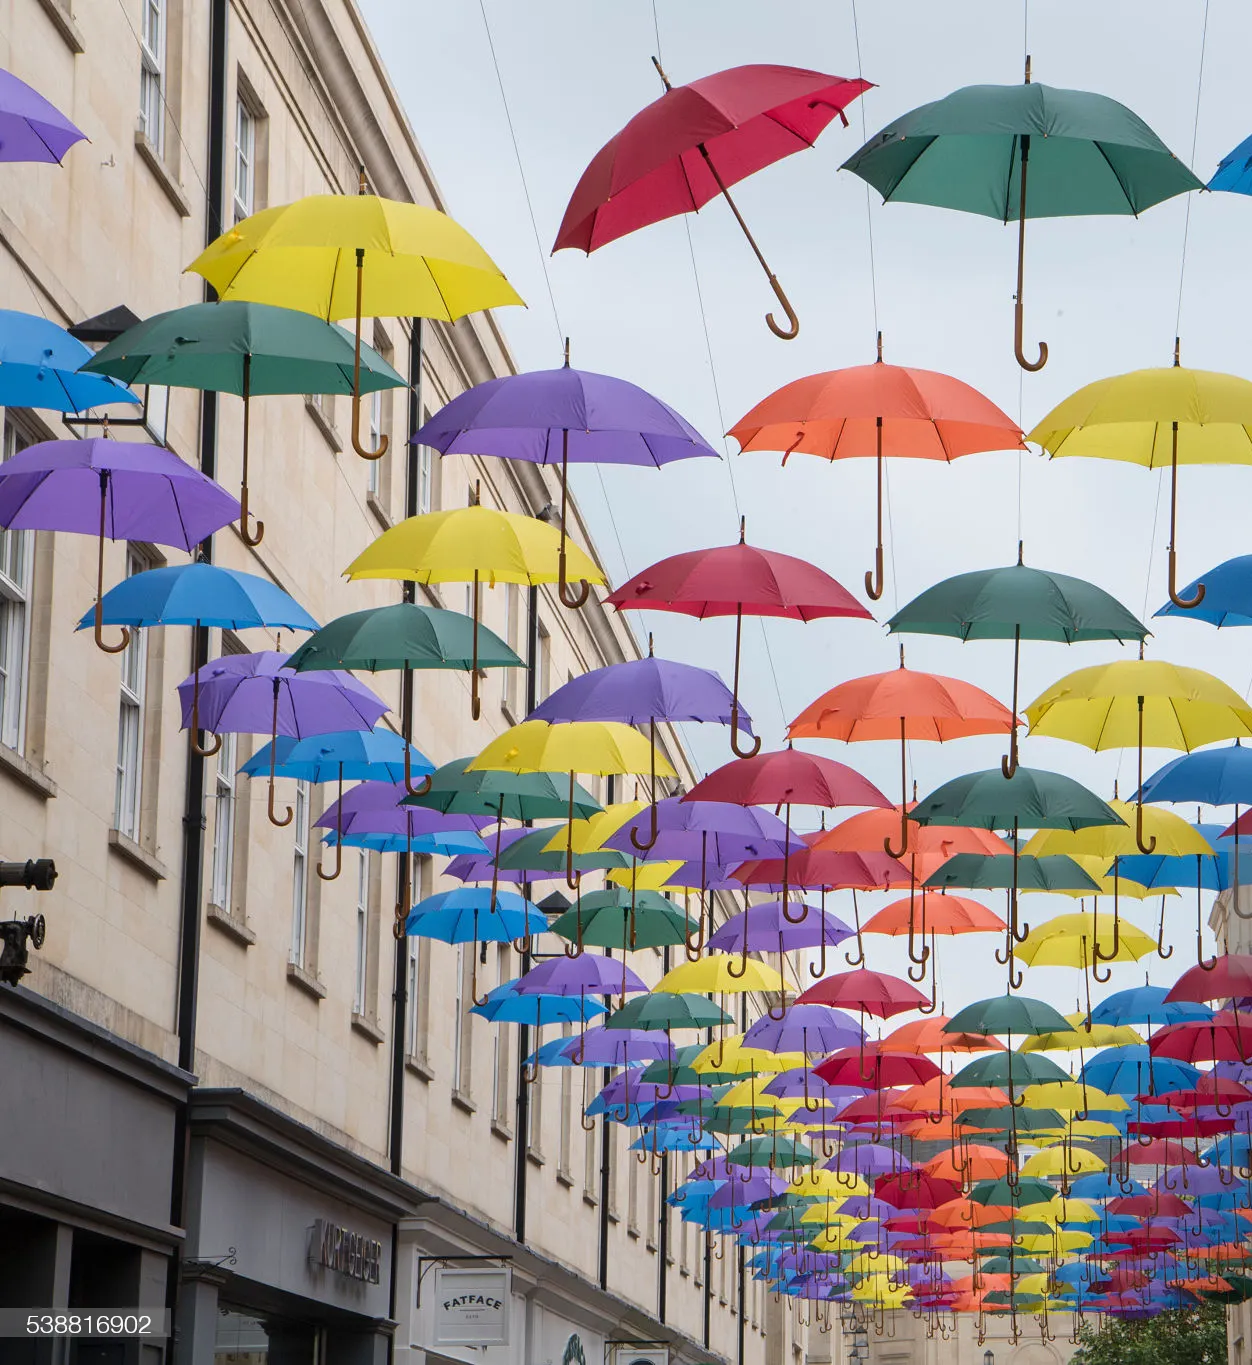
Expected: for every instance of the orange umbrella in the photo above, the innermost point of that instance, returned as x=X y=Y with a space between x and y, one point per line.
x=927 y=1035
x=903 y=704
x=963 y=1213
x=975 y=1162
x=940 y=914
x=865 y=832
x=934 y=1095
x=877 y=410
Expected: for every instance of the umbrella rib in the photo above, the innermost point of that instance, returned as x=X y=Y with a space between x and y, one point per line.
x=1121 y=185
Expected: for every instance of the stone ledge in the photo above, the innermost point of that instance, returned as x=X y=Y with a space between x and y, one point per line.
x=149 y=155
x=230 y=925
x=63 y=21
x=306 y=982
x=138 y=856
x=419 y=1067
x=367 y=1028
x=565 y=1178
x=19 y=767
x=323 y=423
x=462 y=1101
x=501 y=1130
x=381 y=515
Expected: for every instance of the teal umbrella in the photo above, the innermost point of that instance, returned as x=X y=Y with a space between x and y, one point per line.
x=668 y=1010
x=626 y=919
x=531 y=853
x=976 y=150
x=248 y=349
x=1017 y=603
x=406 y=636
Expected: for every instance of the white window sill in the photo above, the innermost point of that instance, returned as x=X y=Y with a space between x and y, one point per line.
x=381 y=515
x=19 y=767
x=367 y=1028
x=323 y=423
x=139 y=857
x=590 y=1200
x=153 y=159
x=63 y=21
x=565 y=1178
x=462 y=1101
x=306 y=982
x=421 y=1068
x=501 y=1130
x=536 y=1157
x=230 y=925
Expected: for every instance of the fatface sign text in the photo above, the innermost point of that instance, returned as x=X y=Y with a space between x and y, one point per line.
x=471 y=1307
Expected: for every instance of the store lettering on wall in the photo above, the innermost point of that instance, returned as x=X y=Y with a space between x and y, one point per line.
x=347 y=1253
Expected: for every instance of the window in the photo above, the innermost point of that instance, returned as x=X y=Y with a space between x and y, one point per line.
x=591 y=1142
x=152 y=74
x=362 y=933
x=300 y=876
x=513 y=699
x=501 y=1053
x=534 y=1113
x=128 y=790
x=417 y=1037
x=425 y=479
x=221 y=880
x=245 y=158
x=632 y=1193
x=545 y=663
x=565 y=1152
x=462 y=1026
x=17 y=559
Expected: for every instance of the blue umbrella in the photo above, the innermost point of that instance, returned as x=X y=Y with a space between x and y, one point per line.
x=1103 y=1185
x=354 y=755
x=674 y=1138
x=39 y=364
x=1234 y=171
x=1212 y=777
x=1227 y=595
x=1146 y=1005
x=200 y=595
x=552 y=1053
x=504 y=1005
x=1132 y=1070
x=471 y=914
x=450 y=843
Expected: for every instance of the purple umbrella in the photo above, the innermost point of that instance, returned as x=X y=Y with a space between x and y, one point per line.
x=714 y=832
x=108 y=488
x=737 y=1194
x=765 y=928
x=587 y=974
x=32 y=129
x=801 y=1081
x=614 y=1047
x=251 y=694
x=868 y=1159
x=373 y=802
x=811 y=1029
x=555 y=416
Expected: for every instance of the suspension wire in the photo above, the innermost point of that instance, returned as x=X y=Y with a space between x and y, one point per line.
x=543 y=260
x=1195 y=134
x=728 y=462
x=869 y=211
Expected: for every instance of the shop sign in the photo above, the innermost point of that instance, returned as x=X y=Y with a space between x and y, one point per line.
x=472 y=1307
x=347 y=1253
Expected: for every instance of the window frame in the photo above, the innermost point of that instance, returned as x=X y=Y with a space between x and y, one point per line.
x=132 y=719
x=152 y=59
x=360 y=981
x=300 y=872
x=15 y=593
x=225 y=814
x=246 y=121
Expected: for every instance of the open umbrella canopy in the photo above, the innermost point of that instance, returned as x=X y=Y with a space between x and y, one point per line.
x=374 y=756
x=787 y=777
x=505 y=795
x=31 y=127
x=642 y=690
x=404 y=635
x=504 y=1005
x=1214 y=777
x=1031 y=799
x=1071 y=941
x=40 y=364
x=617 y=918
x=596 y=747
x=669 y=1010
x=199 y=594
x=473 y=915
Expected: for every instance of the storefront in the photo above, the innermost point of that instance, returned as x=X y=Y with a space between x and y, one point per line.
x=87 y=1127
x=289 y=1242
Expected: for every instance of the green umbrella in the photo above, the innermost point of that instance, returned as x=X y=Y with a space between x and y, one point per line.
x=1023 y=1120
x=1016 y=1070
x=245 y=349
x=1029 y=799
x=505 y=795
x=770 y=1151
x=668 y=1010
x=677 y=1070
x=1020 y=1227
x=1026 y=1191
x=407 y=636
x=730 y=1122
x=1007 y=1014
x=973 y=149
x=1017 y=603
x=999 y=1264
x=531 y=853
x=618 y=918
x=996 y=872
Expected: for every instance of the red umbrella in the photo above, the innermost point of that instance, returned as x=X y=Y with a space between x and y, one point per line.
x=694 y=142
x=1155 y=1205
x=871 y=1066
x=874 y=993
x=1229 y=979
x=734 y=580
x=815 y=869
x=1194 y=1126
x=1162 y=1152
x=915 y=1190
x=1209 y=1092
x=1223 y=1038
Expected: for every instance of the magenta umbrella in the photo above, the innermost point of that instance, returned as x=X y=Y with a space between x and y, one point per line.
x=32 y=128
x=555 y=416
x=253 y=694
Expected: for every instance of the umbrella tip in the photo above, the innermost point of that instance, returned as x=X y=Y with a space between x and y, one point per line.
x=1177 y=352
x=1028 y=68
x=362 y=183
x=1020 y=545
x=567 y=353
x=660 y=71
x=880 y=348
x=743 y=529
x=650 y=655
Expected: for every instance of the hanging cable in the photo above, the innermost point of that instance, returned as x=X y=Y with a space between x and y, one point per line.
x=543 y=260
x=1195 y=133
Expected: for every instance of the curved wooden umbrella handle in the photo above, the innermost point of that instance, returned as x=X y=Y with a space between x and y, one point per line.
x=792 y=330
x=330 y=876
x=361 y=450
x=643 y=846
x=476 y=702
x=1018 y=309
x=904 y=803
x=1161 y=951
x=569 y=598
x=248 y=537
x=425 y=784
x=1185 y=603
x=1008 y=762
x=194 y=730
x=98 y=631
x=750 y=752
x=874 y=580
x=273 y=814
x=859 y=959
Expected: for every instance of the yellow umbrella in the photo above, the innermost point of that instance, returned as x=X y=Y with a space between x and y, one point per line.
x=312 y=256
x=600 y=747
x=473 y=544
x=1057 y=1161
x=1070 y=941
x=1070 y=1097
x=1153 y=418
x=1061 y=1240
x=645 y=876
x=713 y=973
x=728 y=1056
x=1082 y=1035
x=839 y=1185
x=588 y=836
x=1133 y=702
x=1174 y=836
x=750 y=1092
x=1098 y=869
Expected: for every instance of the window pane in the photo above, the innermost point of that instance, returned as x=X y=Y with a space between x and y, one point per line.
x=362 y=931
x=300 y=874
x=245 y=159
x=128 y=789
x=224 y=825
x=17 y=553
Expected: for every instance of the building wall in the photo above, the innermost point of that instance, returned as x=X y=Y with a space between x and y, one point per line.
x=117 y=225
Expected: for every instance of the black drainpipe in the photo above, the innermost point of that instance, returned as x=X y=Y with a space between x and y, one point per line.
x=606 y=1173
x=520 y=1168
x=399 y=994
x=743 y=1308
x=193 y=792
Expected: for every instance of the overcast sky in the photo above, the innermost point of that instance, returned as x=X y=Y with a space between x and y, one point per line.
x=1103 y=292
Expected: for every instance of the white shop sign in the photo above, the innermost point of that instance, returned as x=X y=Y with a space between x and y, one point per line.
x=471 y=1307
